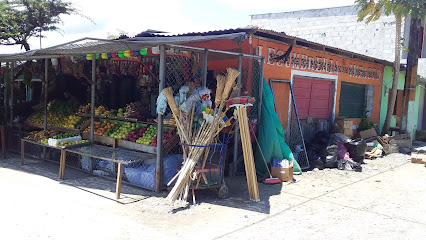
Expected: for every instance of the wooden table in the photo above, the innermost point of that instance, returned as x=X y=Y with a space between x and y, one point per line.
x=117 y=156
x=61 y=148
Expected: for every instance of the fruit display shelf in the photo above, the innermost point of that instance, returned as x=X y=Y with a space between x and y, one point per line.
x=145 y=139
x=83 y=123
x=56 y=147
x=169 y=123
x=148 y=148
x=110 y=117
x=52 y=127
x=129 y=135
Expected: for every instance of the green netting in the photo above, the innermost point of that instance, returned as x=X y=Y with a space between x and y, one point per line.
x=271 y=136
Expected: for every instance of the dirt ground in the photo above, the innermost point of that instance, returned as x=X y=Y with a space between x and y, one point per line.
x=385 y=201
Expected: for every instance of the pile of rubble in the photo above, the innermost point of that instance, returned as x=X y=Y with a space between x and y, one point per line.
x=348 y=153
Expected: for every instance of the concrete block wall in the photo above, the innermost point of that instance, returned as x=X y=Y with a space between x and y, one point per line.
x=336 y=27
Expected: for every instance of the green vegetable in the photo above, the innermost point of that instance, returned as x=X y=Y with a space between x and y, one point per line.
x=64 y=135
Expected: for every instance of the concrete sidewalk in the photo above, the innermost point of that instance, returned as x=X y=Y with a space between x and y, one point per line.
x=385 y=201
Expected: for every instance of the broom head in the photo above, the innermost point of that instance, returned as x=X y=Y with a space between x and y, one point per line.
x=221 y=80
x=231 y=76
x=271 y=180
x=244 y=100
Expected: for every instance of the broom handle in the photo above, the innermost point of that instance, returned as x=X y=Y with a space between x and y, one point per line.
x=260 y=150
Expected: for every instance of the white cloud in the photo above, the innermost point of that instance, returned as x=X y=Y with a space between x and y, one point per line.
x=135 y=16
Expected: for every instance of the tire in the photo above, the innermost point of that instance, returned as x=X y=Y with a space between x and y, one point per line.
x=223 y=192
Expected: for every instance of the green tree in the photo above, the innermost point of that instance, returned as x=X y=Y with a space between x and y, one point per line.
x=115 y=36
x=22 y=19
x=371 y=10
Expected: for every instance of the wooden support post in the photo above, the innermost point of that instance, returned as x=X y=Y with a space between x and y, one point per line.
x=91 y=164
x=119 y=176
x=62 y=164
x=22 y=152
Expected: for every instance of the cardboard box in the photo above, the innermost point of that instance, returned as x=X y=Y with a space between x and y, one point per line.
x=368 y=133
x=338 y=126
x=347 y=128
x=283 y=174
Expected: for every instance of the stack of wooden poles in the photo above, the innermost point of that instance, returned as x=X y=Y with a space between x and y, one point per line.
x=192 y=139
x=248 y=153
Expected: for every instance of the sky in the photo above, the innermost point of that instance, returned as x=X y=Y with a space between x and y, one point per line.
x=173 y=16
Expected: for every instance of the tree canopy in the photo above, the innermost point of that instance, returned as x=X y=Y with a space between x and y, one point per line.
x=371 y=10
x=22 y=19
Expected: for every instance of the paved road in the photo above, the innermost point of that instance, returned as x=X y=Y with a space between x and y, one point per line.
x=386 y=201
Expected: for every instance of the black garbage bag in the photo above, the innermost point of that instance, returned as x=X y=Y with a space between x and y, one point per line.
x=357 y=149
x=315 y=161
x=331 y=159
x=320 y=141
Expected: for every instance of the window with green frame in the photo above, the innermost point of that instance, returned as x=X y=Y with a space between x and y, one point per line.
x=352 y=100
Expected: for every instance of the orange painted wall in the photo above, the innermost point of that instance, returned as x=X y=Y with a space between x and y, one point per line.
x=283 y=72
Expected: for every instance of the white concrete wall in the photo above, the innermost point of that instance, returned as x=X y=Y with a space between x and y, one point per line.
x=336 y=27
x=421 y=67
x=421 y=109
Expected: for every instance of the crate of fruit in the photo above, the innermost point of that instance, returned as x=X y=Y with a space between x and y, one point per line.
x=63 y=137
x=145 y=139
x=102 y=127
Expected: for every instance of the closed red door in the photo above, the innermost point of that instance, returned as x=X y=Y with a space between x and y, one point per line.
x=313 y=97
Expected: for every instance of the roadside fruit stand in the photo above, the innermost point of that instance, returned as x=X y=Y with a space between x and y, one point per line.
x=126 y=139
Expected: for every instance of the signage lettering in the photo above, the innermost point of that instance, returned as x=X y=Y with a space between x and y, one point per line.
x=319 y=64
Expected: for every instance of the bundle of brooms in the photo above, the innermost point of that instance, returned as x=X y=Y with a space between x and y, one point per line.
x=191 y=140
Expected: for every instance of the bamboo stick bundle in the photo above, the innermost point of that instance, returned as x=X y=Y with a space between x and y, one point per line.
x=248 y=154
x=189 y=164
x=203 y=139
x=202 y=136
x=250 y=150
x=245 y=154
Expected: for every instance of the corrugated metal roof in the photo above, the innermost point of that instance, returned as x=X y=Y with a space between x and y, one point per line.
x=148 y=39
x=280 y=36
x=93 y=45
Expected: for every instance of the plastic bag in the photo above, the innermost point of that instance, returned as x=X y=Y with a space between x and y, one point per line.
x=339 y=138
x=161 y=103
x=183 y=91
x=344 y=160
x=191 y=101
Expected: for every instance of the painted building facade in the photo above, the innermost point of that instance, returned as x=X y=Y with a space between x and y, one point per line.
x=327 y=82
x=339 y=27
